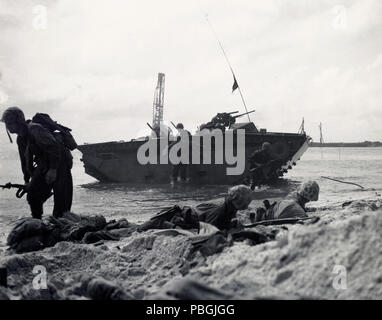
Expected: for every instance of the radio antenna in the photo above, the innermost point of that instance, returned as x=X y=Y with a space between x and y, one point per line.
x=235 y=83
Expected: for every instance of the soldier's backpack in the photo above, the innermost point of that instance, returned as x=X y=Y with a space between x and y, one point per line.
x=57 y=129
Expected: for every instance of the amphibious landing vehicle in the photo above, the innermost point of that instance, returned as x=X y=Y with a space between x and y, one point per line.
x=118 y=161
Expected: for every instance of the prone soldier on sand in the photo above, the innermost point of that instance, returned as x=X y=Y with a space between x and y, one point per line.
x=221 y=215
x=293 y=206
x=46 y=160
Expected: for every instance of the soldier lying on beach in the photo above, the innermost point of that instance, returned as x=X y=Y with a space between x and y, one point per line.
x=221 y=214
x=202 y=221
x=293 y=206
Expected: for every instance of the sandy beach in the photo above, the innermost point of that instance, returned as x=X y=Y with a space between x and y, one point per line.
x=299 y=264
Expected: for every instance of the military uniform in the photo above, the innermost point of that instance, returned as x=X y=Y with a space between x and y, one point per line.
x=259 y=157
x=258 y=161
x=287 y=208
x=293 y=206
x=181 y=169
x=218 y=214
x=39 y=151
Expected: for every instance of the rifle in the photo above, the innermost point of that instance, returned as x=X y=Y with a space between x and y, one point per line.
x=174 y=125
x=280 y=221
x=20 y=189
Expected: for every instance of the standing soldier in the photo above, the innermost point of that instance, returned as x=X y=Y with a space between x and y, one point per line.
x=258 y=165
x=45 y=161
x=180 y=170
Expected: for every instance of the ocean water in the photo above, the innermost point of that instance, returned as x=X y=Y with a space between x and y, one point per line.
x=136 y=203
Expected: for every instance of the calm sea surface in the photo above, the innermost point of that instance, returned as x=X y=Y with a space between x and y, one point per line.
x=136 y=203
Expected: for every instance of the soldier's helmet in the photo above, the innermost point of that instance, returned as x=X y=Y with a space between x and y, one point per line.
x=241 y=194
x=266 y=145
x=180 y=126
x=13 y=114
x=309 y=190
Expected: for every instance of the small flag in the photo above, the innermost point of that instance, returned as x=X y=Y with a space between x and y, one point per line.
x=235 y=85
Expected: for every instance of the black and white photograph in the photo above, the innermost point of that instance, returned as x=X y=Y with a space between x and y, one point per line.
x=207 y=150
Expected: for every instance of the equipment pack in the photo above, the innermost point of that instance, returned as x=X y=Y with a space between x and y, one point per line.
x=64 y=132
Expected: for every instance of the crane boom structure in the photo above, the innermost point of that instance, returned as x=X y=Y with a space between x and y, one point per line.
x=321 y=136
x=158 y=101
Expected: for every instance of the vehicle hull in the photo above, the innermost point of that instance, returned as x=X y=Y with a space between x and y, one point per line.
x=117 y=161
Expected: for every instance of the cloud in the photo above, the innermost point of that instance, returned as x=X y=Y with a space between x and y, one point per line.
x=377 y=63
x=95 y=66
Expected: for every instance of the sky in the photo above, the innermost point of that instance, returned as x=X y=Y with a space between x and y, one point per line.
x=93 y=64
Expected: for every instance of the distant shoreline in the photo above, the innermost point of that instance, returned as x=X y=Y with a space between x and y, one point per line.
x=347 y=144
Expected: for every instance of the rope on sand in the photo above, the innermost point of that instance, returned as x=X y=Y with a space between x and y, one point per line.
x=343 y=182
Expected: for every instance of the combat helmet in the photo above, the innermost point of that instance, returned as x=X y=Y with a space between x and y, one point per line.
x=266 y=145
x=12 y=114
x=309 y=190
x=242 y=194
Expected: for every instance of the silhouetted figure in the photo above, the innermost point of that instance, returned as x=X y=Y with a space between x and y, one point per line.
x=180 y=170
x=46 y=161
x=259 y=160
